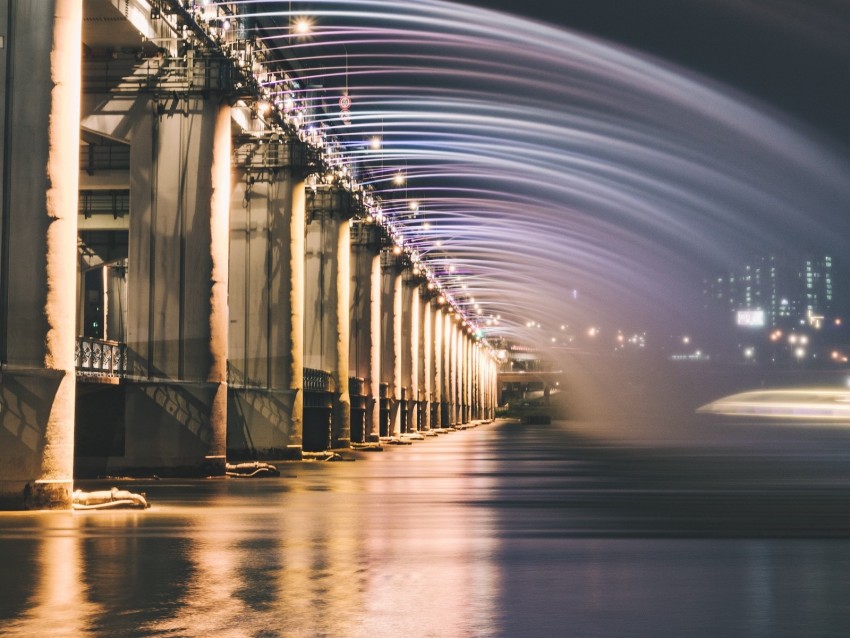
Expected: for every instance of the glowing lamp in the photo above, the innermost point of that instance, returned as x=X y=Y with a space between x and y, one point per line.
x=303 y=26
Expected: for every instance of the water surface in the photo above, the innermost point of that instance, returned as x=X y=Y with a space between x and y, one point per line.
x=502 y=530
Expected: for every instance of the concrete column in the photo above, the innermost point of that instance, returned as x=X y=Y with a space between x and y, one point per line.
x=219 y=319
x=456 y=347
x=409 y=348
x=40 y=117
x=479 y=381
x=175 y=417
x=327 y=271
x=391 y=322
x=463 y=370
x=492 y=387
x=448 y=371
x=485 y=385
x=365 y=312
x=470 y=374
x=437 y=369
x=473 y=379
x=464 y=375
x=265 y=406
x=427 y=358
x=292 y=333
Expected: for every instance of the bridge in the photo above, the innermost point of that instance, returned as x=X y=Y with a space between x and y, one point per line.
x=190 y=272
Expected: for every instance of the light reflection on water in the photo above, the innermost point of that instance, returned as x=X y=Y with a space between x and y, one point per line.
x=500 y=531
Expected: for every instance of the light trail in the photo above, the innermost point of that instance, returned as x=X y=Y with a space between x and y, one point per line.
x=545 y=161
x=794 y=404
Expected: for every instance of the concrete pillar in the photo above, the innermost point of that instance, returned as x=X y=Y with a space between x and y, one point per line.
x=391 y=328
x=365 y=313
x=455 y=371
x=447 y=419
x=176 y=416
x=470 y=355
x=40 y=117
x=409 y=348
x=479 y=382
x=427 y=358
x=492 y=387
x=292 y=332
x=218 y=317
x=479 y=387
x=437 y=369
x=470 y=378
x=327 y=279
x=265 y=399
x=464 y=375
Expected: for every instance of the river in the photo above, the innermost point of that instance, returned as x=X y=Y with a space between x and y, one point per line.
x=499 y=530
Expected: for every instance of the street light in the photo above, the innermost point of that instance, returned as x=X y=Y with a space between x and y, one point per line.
x=303 y=25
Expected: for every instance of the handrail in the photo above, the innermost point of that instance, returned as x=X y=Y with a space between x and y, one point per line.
x=100 y=357
x=317 y=380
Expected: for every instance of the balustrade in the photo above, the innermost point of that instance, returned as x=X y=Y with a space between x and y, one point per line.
x=100 y=357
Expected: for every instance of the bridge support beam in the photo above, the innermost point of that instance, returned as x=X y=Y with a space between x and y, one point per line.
x=39 y=127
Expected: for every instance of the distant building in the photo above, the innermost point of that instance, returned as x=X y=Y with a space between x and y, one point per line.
x=770 y=292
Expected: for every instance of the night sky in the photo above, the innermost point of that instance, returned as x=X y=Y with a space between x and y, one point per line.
x=792 y=54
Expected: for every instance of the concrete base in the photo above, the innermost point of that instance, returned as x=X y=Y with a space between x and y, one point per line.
x=48 y=495
x=27 y=397
x=259 y=425
x=35 y=495
x=338 y=444
x=214 y=466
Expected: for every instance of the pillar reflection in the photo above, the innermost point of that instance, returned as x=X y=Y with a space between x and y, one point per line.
x=59 y=604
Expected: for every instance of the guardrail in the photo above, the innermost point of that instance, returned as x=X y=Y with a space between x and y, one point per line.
x=317 y=381
x=100 y=357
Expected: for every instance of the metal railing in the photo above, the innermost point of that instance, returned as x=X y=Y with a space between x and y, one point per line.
x=159 y=75
x=317 y=381
x=104 y=202
x=100 y=357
